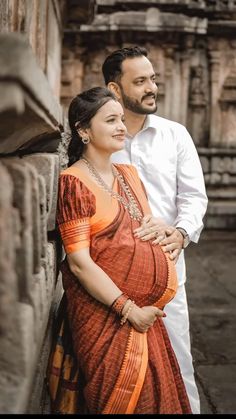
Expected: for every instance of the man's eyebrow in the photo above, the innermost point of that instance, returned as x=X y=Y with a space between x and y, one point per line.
x=140 y=77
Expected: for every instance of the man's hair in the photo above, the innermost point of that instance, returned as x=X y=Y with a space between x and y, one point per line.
x=112 y=65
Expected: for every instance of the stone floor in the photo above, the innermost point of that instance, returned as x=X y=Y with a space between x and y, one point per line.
x=211 y=290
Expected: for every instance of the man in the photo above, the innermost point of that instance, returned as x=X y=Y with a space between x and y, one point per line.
x=168 y=164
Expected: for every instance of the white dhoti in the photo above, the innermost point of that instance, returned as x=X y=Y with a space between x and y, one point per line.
x=177 y=324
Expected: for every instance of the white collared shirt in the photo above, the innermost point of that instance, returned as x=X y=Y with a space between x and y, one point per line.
x=168 y=164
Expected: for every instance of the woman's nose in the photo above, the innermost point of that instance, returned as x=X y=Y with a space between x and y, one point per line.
x=122 y=126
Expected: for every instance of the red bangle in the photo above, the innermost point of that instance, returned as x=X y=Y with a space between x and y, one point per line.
x=118 y=304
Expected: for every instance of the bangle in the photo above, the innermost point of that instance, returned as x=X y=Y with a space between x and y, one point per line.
x=118 y=304
x=125 y=317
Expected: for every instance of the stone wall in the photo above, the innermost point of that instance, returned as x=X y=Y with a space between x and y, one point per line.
x=31 y=157
x=30 y=116
x=192 y=45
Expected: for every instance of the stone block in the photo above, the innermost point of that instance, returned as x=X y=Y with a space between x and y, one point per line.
x=233 y=166
x=17 y=359
x=22 y=200
x=36 y=219
x=205 y=162
x=38 y=303
x=47 y=165
x=8 y=284
x=28 y=107
x=215 y=178
x=43 y=214
x=51 y=269
x=222 y=207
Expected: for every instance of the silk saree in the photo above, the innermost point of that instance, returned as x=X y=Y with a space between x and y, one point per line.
x=96 y=365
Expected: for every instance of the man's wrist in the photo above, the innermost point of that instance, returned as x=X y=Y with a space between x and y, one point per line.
x=186 y=239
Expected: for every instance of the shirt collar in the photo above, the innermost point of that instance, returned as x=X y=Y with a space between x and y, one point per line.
x=150 y=122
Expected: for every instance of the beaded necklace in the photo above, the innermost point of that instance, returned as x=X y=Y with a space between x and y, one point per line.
x=130 y=204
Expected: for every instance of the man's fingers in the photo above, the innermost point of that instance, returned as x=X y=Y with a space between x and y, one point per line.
x=171 y=247
x=174 y=255
x=149 y=232
x=158 y=239
x=170 y=230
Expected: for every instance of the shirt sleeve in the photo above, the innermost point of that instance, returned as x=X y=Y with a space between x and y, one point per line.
x=191 y=193
x=76 y=205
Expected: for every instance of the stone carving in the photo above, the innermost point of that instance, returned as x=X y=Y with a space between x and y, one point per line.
x=197 y=93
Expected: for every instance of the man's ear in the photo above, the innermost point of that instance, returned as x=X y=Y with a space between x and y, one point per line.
x=114 y=88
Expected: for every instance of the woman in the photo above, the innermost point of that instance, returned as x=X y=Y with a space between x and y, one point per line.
x=116 y=285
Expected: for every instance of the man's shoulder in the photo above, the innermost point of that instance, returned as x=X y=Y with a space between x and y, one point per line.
x=159 y=122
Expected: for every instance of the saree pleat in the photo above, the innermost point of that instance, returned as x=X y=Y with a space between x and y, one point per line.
x=125 y=371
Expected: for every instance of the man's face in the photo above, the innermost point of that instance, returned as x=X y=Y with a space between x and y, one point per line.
x=138 y=87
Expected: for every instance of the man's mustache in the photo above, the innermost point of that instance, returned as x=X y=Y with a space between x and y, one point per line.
x=152 y=95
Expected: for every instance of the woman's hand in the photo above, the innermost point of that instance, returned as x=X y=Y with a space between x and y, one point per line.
x=142 y=318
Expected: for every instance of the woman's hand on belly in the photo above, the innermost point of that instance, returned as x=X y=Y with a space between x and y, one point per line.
x=142 y=318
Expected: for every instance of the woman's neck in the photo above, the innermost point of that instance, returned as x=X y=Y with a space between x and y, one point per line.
x=101 y=162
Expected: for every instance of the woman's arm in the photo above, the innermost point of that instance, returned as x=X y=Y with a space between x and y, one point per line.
x=96 y=282
x=101 y=287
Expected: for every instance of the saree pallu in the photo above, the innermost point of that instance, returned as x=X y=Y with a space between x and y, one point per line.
x=119 y=369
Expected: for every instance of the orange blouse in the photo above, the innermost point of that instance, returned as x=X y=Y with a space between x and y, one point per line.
x=84 y=208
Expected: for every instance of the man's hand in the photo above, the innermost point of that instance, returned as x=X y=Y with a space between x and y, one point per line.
x=150 y=227
x=173 y=242
x=163 y=234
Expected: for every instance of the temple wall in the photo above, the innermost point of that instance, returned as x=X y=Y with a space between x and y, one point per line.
x=192 y=47
x=31 y=157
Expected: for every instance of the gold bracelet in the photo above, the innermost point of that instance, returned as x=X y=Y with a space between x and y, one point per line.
x=125 y=317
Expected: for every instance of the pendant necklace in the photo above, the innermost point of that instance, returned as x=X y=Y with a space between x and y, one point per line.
x=130 y=204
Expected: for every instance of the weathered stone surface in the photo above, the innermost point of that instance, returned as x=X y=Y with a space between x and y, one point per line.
x=151 y=20
x=47 y=165
x=8 y=283
x=27 y=98
x=43 y=213
x=22 y=200
x=16 y=361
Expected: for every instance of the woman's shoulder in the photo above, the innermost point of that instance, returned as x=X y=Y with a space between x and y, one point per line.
x=71 y=171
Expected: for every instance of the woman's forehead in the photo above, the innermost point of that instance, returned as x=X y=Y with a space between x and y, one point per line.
x=111 y=107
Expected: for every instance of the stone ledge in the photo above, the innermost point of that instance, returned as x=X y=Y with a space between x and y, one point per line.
x=28 y=109
x=151 y=20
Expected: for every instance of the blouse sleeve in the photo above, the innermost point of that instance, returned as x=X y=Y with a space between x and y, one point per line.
x=76 y=205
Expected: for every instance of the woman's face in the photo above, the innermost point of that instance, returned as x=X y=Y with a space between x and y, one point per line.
x=107 y=129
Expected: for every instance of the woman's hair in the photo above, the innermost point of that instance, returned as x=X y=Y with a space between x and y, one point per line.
x=112 y=65
x=82 y=109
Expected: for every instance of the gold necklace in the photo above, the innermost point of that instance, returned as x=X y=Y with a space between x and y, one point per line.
x=131 y=205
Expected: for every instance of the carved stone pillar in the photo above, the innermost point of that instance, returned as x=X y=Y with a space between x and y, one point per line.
x=197 y=106
x=169 y=68
x=228 y=104
x=185 y=71
x=215 y=112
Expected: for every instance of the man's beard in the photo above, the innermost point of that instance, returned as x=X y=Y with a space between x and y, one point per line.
x=137 y=107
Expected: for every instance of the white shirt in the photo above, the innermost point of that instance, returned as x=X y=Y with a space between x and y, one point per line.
x=168 y=164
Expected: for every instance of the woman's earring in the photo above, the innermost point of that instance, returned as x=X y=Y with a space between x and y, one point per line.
x=85 y=140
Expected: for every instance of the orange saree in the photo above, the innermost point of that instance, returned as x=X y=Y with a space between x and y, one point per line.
x=118 y=370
